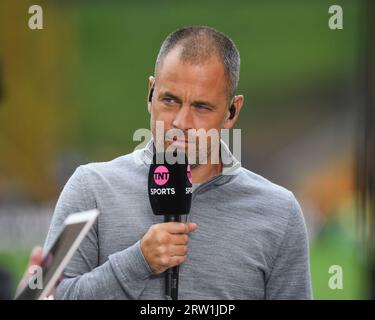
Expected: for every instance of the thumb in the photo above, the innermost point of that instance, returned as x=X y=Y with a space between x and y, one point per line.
x=192 y=226
x=36 y=256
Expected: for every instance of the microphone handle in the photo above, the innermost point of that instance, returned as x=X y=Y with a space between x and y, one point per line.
x=171 y=275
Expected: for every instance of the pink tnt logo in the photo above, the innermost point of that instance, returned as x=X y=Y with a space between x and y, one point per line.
x=189 y=173
x=161 y=175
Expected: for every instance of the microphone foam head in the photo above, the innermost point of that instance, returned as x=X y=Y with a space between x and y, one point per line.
x=169 y=185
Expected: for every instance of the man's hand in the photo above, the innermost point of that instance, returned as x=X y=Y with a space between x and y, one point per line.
x=165 y=244
x=35 y=259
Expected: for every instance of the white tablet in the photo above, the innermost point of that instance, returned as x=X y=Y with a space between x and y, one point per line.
x=55 y=260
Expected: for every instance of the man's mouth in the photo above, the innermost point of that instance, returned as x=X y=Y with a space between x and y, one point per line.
x=179 y=141
x=181 y=144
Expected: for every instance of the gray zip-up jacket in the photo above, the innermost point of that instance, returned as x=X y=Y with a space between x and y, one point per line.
x=251 y=240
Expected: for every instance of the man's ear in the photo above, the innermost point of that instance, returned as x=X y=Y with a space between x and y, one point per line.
x=151 y=80
x=238 y=103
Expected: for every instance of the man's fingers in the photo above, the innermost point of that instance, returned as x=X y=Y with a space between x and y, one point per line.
x=192 y=226
x=178 y=239
x=36 y=256
x=177 y=260
x=180 y=250
x=180 y=227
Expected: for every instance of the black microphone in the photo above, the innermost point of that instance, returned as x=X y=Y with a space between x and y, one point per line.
x=170 y=190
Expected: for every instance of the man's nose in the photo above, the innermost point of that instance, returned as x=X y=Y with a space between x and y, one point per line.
x=183 y=119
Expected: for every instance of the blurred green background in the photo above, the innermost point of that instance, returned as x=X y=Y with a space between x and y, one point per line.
x=75 y=92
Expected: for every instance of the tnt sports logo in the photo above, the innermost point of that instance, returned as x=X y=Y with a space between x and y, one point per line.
x=189 y=173
x=161 y=175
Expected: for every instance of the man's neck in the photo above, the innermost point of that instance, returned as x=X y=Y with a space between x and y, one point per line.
x=203 y=172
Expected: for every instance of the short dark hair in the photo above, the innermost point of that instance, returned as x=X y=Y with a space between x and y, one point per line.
x=198 y=44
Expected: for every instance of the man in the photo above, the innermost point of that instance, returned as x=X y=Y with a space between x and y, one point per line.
x=248 y=239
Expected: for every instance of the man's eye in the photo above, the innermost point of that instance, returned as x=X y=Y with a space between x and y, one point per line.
x=202 y=107
x=169 y=100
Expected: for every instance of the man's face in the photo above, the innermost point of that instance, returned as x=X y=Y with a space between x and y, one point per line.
x=189 y=96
